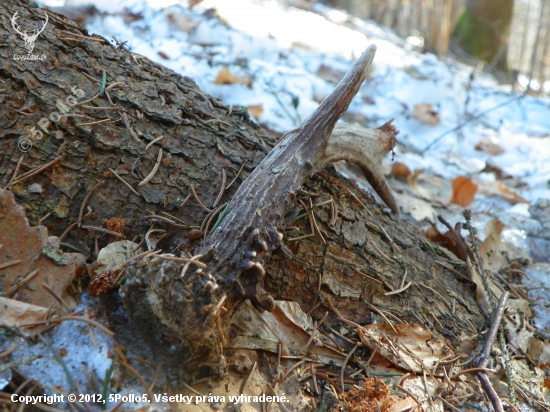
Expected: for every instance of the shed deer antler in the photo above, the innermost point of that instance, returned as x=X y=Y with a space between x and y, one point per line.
x=165 y=299
x=28 y=38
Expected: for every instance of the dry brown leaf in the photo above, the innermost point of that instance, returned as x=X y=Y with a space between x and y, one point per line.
x=425 y=113
x=110 y=261
x=419 y=209
x=35 y=251
x=446 y=239
x=181 y=21
x=14 y=314
x=497 y=171
x=412 y=348
x=163 y=55
x=413 y=180
x=491 y=248
x=464 y=191
x=488 y=146
x=509 y=195
x=256 y=110
x=425 y=390
x=399 y=169
x=242 y=392
x=499 y=189
x=226 y=77
x=286 y=324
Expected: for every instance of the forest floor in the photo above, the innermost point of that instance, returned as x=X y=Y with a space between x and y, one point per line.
x=465 y=141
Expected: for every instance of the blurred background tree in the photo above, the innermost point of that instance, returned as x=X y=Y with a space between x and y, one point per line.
x=483 y=30
x=509 y=36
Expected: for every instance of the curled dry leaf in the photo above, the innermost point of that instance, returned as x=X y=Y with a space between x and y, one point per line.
x=509 y=195
x=498 y=255
x=226 y=77
x=287 y=324
x=110 y=261
x=36 y=252
x=425 y=113
x=182 y=22
x=497 y=171
x=412 y=348
x=425 y=390
x=243 y=391
x=399 y=169
x=256 y=110
x=14 y=314
x=487 y=145
x=163 y=55
x=491 y=248
x=413 y=182
x=464 y=191
x=419 y=209
x=446 y=239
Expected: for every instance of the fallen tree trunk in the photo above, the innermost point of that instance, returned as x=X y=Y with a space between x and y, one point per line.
x=141 y=138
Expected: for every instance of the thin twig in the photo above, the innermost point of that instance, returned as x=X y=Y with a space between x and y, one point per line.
x=154 y=170
x=67 y=231
x=36 y=171
x=435 y=292
x=212 y=216
x=222 y=188
x=288 y=372
x=101 y=108
x=153 y=142
x=115 y=85
x=235 y=178
x=129 y=127
x=122 y=361
x=11 y=263
x=315 y=222
x=9 y=365
x=186 y=260
x=124 y=181
x=461 y=125
x=497 y=318
x=100 y=229
x=191 y=388
x=96 y=122
x=383 y=316
x=22 y=282
x=169 y=221
x=245 y=383
x=292 y=239
x=82 y=36
x=56 y=297
x=86 y=198
x=72 y=317
x=490 y=391
x=397 y=291
x=15 y=172
x=198 y=199
x=348 y=356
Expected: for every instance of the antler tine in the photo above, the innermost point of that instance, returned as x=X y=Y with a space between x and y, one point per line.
x=14 y=24
x=44 y=26
x=36 y=32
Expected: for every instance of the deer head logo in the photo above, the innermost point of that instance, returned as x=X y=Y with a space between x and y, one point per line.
x=28 y=38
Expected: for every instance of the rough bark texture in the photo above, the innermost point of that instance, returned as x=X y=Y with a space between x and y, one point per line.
x=201 y=136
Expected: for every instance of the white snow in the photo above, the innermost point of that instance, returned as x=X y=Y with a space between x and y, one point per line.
x=280 y=48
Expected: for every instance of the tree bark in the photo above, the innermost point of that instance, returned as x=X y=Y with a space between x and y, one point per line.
x=483 y=30
x=359 y=259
